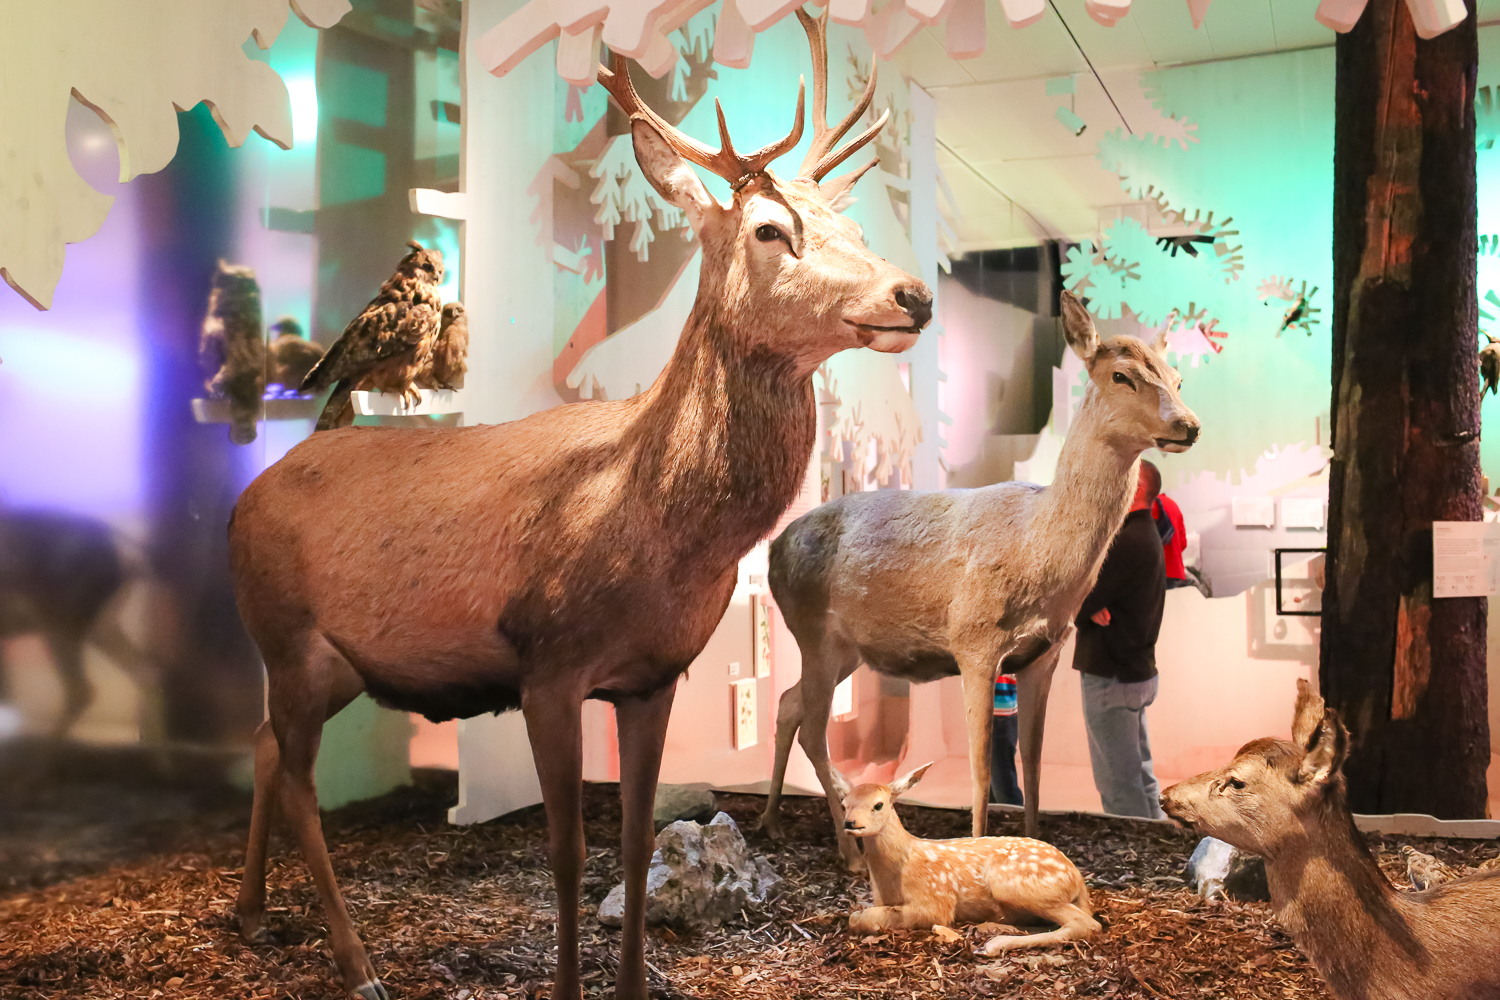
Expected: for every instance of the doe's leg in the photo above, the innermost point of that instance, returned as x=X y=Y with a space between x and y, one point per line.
x=78 y=690
x=979 y=709
x=821 y=673
x=788 y=721
x=1033 y=684
x=641 y=724
x=554 y=724
x=302 y=696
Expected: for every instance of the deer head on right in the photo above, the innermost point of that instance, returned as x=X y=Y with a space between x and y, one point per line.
x=1267 y=796
x=1134 y=380
x=790 y=276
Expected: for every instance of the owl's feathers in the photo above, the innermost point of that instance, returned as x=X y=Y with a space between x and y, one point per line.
x=1489 y=365
x=450 y=352
x=1424 y=870
x=231 y=347
x=388 y=344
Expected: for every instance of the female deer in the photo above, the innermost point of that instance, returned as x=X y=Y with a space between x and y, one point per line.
x=1285 y=802
x=927 y=585
x=587 y=551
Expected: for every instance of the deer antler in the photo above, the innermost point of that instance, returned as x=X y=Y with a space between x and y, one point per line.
x=724 y=161
x=822 y=157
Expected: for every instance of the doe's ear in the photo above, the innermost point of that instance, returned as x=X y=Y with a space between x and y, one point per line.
x=1308 y=714
x=1326 y=749
x=903 y=785
x=1078 y=327
x=670 y=174
x=840 y=783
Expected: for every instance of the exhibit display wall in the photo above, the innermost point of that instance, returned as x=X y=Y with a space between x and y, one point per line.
x=1209 y=215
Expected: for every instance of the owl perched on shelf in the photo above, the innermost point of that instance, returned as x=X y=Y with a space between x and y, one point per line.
x=1489 y=365
x=387 y=345
x=291 y=355
x=232 y=350
x=450 y=352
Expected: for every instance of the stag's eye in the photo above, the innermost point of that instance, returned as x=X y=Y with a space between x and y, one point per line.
x=1123 y=379
x=767 y=233
x=1233 y=783
x=879 y=806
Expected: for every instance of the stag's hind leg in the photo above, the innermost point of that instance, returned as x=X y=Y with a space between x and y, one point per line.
x=554 y=725
x=251 y=903
x=304 y=693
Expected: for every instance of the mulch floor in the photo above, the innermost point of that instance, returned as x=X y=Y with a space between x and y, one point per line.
x=117 y=879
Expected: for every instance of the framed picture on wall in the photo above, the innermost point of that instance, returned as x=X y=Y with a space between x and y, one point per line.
x=742 y=703
x=760 y=624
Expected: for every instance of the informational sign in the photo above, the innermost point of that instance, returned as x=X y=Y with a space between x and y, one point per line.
x=1254 y=512
x=746 y=727
x=1465 y=559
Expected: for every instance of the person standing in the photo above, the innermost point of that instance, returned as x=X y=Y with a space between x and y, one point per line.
x=1116 y=653
x=1003 y=787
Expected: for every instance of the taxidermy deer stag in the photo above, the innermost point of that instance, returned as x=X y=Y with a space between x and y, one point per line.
x=919 y=883
x=927 y=585
x=586 y=551
x=1285 y=802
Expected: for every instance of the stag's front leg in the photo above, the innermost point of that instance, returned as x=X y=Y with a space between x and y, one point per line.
x=642 y=727
x=555 y=727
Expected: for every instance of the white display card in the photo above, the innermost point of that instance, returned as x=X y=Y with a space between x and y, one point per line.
x=746 y=729
x=1254 y=512
x=1302 y=512
x=1465 y=559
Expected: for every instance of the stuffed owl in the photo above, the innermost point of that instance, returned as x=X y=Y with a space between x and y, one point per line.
x=232 y=350
x=450 y=353
x=388 y=344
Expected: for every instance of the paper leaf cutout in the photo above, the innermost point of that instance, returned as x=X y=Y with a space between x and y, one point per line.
x=135 y=67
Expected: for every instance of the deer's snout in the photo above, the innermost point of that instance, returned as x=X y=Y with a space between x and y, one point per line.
x=917 y=301
x=1184 y=433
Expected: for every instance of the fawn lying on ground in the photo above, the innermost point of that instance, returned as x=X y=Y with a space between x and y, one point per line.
x=919 y=883
x=1285 y=802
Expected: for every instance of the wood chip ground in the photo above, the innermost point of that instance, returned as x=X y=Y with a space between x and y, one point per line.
x=117 y=881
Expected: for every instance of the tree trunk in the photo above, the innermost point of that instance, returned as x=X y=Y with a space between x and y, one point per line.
x=1406 y=672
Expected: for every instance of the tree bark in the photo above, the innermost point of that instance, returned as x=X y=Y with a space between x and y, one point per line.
x=1407 y=672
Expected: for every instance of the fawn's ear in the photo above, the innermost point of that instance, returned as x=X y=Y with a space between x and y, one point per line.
x=840 y=783
x=901 y=786
x=1308 y=714
x=670 y=174
x=1078 y=327
x=1326 y=749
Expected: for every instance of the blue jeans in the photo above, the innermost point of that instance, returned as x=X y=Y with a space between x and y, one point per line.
x=1115 y=714
x=1003 y=787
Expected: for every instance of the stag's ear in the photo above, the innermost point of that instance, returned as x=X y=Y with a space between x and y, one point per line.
x=670 y=174
x=903 y=785
x=1307 y=716
x=1326 y=749
x=1159 y=342
x=840 y=783
x=839 y=192
x=1078 y=327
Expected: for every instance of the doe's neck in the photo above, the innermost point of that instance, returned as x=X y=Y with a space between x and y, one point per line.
x=1080 y=512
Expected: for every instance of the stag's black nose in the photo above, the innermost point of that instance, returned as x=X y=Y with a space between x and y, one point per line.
x=918 y=304
x=1191 y=435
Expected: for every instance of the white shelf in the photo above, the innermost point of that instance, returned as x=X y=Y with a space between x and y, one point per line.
x=434 y=402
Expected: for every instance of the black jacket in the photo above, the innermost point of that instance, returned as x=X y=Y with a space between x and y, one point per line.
x=1132 y=584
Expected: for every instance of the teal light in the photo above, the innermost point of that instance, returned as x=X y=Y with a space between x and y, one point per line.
x=303 y=90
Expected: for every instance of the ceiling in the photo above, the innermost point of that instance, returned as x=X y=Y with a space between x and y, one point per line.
x=1015 y=172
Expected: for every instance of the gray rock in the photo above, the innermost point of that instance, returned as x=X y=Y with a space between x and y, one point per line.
x=700 y=876
x=1219 y=869
x=675 y=802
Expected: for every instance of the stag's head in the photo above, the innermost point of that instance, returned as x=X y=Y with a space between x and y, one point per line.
x=867 y=808
x=781 y=267
x=1273 y=792
x=1134 y=382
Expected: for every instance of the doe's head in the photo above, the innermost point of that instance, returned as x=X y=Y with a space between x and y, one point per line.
x=1261 y=800
x=868 y=807
x=1135 y=383
x=789 y=274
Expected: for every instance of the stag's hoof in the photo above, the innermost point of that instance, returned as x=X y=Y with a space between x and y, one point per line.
x=250 y=928
x=770 y=825
x=372 y=991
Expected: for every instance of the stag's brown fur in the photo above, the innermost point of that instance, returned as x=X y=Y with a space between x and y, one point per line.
x=1286 y=802
x=584 y=552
